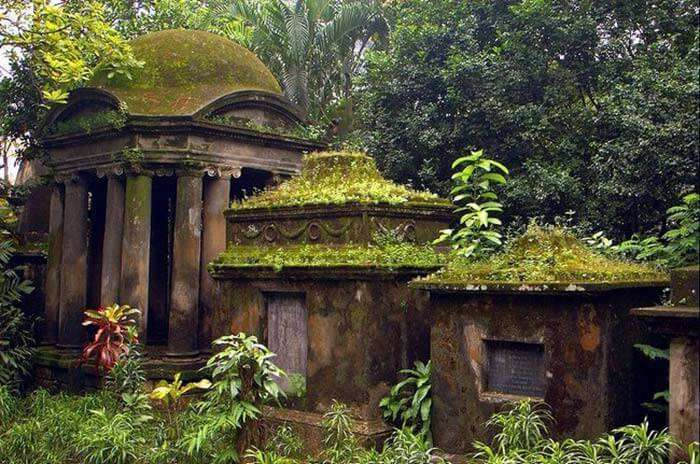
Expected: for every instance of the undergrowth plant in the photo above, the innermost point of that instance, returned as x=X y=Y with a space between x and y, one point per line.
x=16 y=340
x=478 y=204
x=409 y=402
x=522 y=437
x=115 y=332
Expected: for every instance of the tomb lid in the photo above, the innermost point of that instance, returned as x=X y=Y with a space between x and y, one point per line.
x=184 y=70
x=337 y=178
x=543 y=260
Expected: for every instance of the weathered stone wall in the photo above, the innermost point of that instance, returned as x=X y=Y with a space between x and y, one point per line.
x=588 y=357
x=340 y=224
x=360 y=333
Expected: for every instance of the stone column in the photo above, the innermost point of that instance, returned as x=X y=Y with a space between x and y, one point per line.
x=53 y=271
x=184 y=296
x=112 y=244
x=684 y=398
x=74 y=265
x=216 y=200
x=136 y=247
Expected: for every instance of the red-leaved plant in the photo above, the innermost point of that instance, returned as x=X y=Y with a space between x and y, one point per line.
x=116 y=329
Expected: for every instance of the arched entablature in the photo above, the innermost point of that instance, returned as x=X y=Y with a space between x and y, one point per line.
x=259 y=107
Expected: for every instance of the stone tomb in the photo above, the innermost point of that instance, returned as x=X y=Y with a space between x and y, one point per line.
x=143 y=170
x=501 y=333
x=313 y=283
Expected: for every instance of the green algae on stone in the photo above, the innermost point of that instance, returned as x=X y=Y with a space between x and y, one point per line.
x=543 y=256
x=333 y=178
x=387 y=256
x=183 y=70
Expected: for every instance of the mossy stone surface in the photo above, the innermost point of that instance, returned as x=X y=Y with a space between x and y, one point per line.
x=544 y=260
x=183 y=70
x=378 y=256
x=335 y=178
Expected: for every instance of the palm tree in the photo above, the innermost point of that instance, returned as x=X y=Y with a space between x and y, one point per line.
x=313 y=46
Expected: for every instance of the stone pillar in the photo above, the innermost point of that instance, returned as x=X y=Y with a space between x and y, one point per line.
x=53 y=271
x=216 y=200
x=136 y=247
x=184 y=296
x=74 y=265
x=112 y=244
x=684 y=398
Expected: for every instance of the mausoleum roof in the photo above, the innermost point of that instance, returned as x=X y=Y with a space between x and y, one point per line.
x=184 y=70
x=337 y=178
x=543 y=259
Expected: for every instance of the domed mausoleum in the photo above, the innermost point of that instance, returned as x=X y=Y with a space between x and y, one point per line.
x=143 y=169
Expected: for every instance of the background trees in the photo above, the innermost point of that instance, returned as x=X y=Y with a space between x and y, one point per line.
x=593 y=105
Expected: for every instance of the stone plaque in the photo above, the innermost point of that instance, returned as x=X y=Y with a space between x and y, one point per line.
x=515 y=368
x=287 y=335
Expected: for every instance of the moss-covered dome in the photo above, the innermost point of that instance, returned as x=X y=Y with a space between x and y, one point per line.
x=184 y=70
x=544 y=259
x=336 y=178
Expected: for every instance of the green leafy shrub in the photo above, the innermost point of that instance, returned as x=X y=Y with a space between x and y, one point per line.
x=522 y=433
x=127 y=375
x=409 y=402
x=16 y=339
x=244 y=378
x=472 y=192
x=677 y=247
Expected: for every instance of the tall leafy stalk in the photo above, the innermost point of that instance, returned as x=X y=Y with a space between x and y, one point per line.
x=478 y=204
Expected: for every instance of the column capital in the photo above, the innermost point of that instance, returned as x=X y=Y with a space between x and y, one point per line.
x=68 y=177
x=223 y=171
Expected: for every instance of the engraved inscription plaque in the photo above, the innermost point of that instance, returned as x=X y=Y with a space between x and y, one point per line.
x=515 y=368
x=287 y=333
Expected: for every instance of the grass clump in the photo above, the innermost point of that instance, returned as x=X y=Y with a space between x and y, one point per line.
x=383 y=255
x=335 y=178
x=545 y=255
x=88 y=123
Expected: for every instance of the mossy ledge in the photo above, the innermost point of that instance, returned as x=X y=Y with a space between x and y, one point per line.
x=334 y=178
x=183 y=70
x=387 y=256
x=543 y=260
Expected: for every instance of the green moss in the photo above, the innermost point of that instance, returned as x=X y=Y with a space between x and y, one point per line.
x=545 y=256
x=184 y=70
x=331 y=178
x=386 y=256
x=88 y=123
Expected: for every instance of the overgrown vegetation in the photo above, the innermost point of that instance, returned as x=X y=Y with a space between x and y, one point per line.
x=89 y=123
x=389 y=256
x=16 y=337
x=546 y=255
x=593 y=105
x=476 y=234
x=409 y=404
x=332 y=178
x=677 y=247
x=521 y=435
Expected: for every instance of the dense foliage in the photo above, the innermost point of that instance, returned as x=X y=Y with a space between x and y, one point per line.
x=16 y=338
x=314 y=47
x=592 y=105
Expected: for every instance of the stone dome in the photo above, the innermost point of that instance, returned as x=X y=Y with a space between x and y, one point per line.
x=184 y=70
